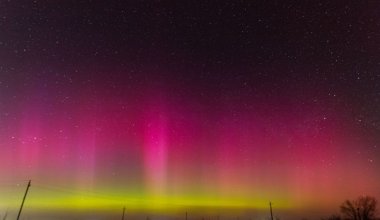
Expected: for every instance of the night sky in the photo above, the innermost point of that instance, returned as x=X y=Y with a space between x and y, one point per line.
x=210 y=107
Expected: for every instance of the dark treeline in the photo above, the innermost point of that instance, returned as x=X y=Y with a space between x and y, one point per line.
x=362 y=208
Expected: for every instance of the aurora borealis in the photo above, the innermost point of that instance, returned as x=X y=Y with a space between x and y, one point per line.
x=214 y=108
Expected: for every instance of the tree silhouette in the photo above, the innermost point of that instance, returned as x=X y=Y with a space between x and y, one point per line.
x=363 y=208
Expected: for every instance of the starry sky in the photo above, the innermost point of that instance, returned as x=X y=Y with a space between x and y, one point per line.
x=213 y=107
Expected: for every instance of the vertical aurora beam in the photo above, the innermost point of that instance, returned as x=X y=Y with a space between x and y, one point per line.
x=85 y=139
x=29 y=147
x=86 y=145
x=155 y=147
x=29 y=137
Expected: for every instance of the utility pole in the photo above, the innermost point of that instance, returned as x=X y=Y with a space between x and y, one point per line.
x=186 y=216
x=6 y=214
x=271 y=212
x=122 y=218
x=23 y=200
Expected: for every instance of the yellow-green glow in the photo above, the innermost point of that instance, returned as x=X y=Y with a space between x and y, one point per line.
x=43 y=199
